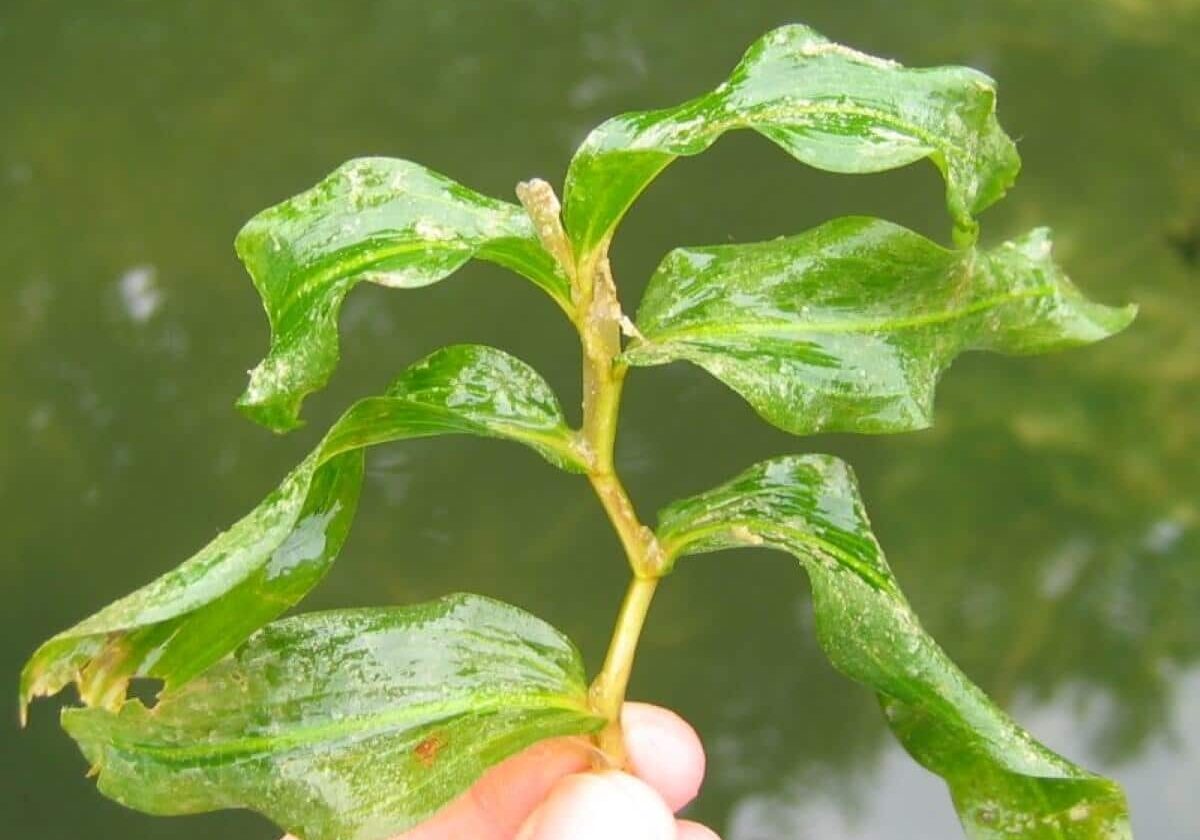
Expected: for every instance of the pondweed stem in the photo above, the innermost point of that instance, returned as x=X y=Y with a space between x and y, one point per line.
x=608 y=689
x=598 y=319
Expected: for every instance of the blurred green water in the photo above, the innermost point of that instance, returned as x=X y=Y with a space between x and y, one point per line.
x=1047 y=530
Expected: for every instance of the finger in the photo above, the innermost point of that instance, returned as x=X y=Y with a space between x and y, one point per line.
x=601 y=806
x=505 y=795
x=494 y=807
x=664 y=751
x=688 y=830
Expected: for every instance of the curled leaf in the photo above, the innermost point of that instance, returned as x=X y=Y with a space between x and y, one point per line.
x=178 y=625
x=382 y=220
x=847 y=327
x=346 y=725
x=1004 y=782
x=826 y=105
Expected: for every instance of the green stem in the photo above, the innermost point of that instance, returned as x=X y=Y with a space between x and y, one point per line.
x=608 y=690
x=603 y=381
x=597 y=317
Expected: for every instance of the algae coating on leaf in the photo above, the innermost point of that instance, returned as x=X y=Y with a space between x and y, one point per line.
x=176 y=626
x=847 y=327
x=1003 y=782
x=826 y=105
x=386 y=221
x=345 y=725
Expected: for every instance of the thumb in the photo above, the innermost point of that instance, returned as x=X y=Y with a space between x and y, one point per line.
x=600 y=806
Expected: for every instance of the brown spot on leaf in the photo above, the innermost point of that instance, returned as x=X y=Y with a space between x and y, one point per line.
x=427 y=751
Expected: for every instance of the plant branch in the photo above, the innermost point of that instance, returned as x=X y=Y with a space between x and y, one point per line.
x=600 y=321
x=603 y=381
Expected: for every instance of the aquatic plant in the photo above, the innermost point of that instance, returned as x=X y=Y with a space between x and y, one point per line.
x=361 y=723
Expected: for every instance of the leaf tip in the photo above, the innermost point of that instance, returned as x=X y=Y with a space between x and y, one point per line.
x=279 y=415
x=1056 y=314
x=1123 y=316
x=1098 y=321
x=43 y=678
x=31 y=687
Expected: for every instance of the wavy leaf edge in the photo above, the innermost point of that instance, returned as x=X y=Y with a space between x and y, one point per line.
x=355 y=723
x=273 y=556
x=824 y=130
x=1003 y=782
x=848 y=327
x=387 y=221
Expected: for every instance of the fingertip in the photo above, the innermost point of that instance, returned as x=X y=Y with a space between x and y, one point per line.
x=688 y=830
x=504 y=797
x=664 y=751
x=509 y=792
x=601 y=806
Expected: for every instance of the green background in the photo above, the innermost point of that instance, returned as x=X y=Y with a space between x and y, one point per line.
x=1047 y=529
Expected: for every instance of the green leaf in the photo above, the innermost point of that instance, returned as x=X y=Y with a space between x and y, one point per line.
x=826 y=105
x=848 y=326
x=348 y=725
x=181 y=623
x=1004 y=783
x=386 y=221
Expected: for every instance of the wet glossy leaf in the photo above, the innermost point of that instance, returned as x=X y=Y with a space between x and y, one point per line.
x=1005 y=784
x=382 y=220
x=348 y=725
x=178 y=625
x=847 y=327
x=826 y=105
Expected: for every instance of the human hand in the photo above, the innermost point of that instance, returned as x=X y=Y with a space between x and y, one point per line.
x=548 y=793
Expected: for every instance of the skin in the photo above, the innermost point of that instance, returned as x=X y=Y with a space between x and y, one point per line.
x=548 y=791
